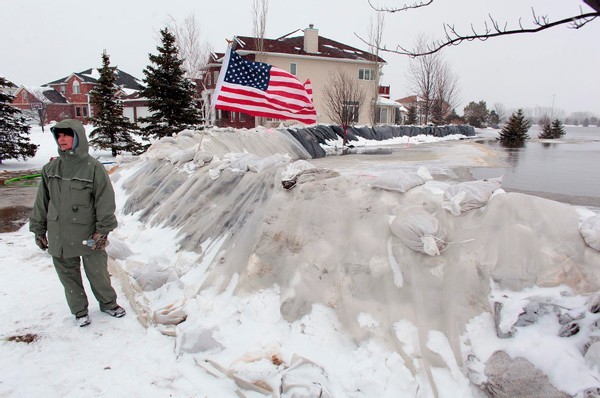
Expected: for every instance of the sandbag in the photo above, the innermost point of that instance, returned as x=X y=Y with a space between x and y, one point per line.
x=420 y=231
x=465 y=196
x=401 y=181
x=590 y=231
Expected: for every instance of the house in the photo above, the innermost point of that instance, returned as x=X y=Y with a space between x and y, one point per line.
x=388 y=110
x=69 y=97
x=424 y=115
x=43 y=103
x=414 y=101
x=307 y=56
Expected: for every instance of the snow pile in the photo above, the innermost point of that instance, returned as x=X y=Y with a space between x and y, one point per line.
x=327 y=298
x=564 y=327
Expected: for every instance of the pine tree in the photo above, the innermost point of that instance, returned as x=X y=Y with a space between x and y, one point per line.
x=112 y=129
x=557 y=129
x=14 y=131
x=546 y=131
x=411 y=116
x=514 y=132
x=170 y=95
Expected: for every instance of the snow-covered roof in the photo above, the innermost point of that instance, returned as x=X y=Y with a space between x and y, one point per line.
x=46 y=95
x=383 y=101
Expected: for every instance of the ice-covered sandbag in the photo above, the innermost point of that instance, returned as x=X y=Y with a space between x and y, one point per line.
x=469 y=195
x=294 y=168
x=182 y=156
x=420 y=231
x=401 y=181
x=241 y=161
x=590 y=230
x=270 y=161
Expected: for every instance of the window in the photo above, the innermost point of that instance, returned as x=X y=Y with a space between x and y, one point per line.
x=293 y=68
x=77 y=111
x=215 y=77
x=76 y=88
x=366 y=74
x=63 y=89
x=383 y=115
x=85 y=113
x=350 y=111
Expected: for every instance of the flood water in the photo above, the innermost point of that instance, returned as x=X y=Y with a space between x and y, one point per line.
x=567 y=169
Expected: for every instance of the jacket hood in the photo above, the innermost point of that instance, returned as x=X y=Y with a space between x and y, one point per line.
x=79 y=135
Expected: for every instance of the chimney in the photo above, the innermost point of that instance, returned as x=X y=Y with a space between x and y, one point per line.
x=311 y=39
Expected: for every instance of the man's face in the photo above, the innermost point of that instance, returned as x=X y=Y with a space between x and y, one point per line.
x=65 y=141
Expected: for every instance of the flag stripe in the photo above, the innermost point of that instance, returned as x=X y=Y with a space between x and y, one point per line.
x=260 y=89
x=260 y=111
x=241 y=101
x=281 y=102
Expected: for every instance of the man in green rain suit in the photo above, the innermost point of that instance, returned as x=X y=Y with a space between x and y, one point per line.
x=75 y=203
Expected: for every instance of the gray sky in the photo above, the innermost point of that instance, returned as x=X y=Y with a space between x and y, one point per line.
x=42 y=40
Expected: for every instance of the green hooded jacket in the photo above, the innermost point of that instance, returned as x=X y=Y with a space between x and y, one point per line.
x=75 y=198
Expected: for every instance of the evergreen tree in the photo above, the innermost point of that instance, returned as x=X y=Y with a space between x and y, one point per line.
x=170 y=95
x=494 y=119
x=552 y=130
x=514 y=132
x=557 y=128
x=476 y=113
x=546 y=132
x=411 y=116
x=14 y=131
x=112 y=129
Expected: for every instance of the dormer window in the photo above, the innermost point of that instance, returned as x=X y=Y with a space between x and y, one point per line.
x=76 y=88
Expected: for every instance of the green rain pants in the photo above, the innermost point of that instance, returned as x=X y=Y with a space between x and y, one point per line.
x=96 y=270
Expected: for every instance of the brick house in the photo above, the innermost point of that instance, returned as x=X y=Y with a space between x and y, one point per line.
x=69 y=97
x=52 y=104
x=307 y=56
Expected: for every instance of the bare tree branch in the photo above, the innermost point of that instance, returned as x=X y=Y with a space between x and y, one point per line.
x=453 y=37
x=192 y=50
x=403 y=8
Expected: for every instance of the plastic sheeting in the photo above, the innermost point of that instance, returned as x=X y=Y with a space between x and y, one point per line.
x=328 y=242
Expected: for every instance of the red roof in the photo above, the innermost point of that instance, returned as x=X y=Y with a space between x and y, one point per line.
x=295 y=45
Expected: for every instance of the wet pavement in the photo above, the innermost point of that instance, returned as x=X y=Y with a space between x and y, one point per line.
x=16 y=200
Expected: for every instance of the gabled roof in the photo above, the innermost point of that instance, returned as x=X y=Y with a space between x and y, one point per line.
x=295 y=45
x=91 y=75
x=411 y=99
x=46 y=95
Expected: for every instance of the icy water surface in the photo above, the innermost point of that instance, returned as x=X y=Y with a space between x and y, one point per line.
x=566 y=170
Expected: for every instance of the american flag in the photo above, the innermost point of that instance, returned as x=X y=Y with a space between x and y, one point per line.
x=260 y=89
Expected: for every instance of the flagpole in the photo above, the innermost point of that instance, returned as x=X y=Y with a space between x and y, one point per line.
x=222 y=72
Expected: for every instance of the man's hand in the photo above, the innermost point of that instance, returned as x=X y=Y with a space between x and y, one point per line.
x=100 y=241
x=41 y=241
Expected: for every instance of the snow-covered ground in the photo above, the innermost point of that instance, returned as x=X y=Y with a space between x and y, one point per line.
x=308 y=291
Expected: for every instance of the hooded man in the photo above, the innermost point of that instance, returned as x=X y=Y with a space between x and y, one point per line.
x=75 y=206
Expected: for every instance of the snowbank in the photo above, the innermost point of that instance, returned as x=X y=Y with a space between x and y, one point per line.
x=314 y=274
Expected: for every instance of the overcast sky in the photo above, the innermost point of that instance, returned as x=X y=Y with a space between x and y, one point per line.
x=41 y=41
